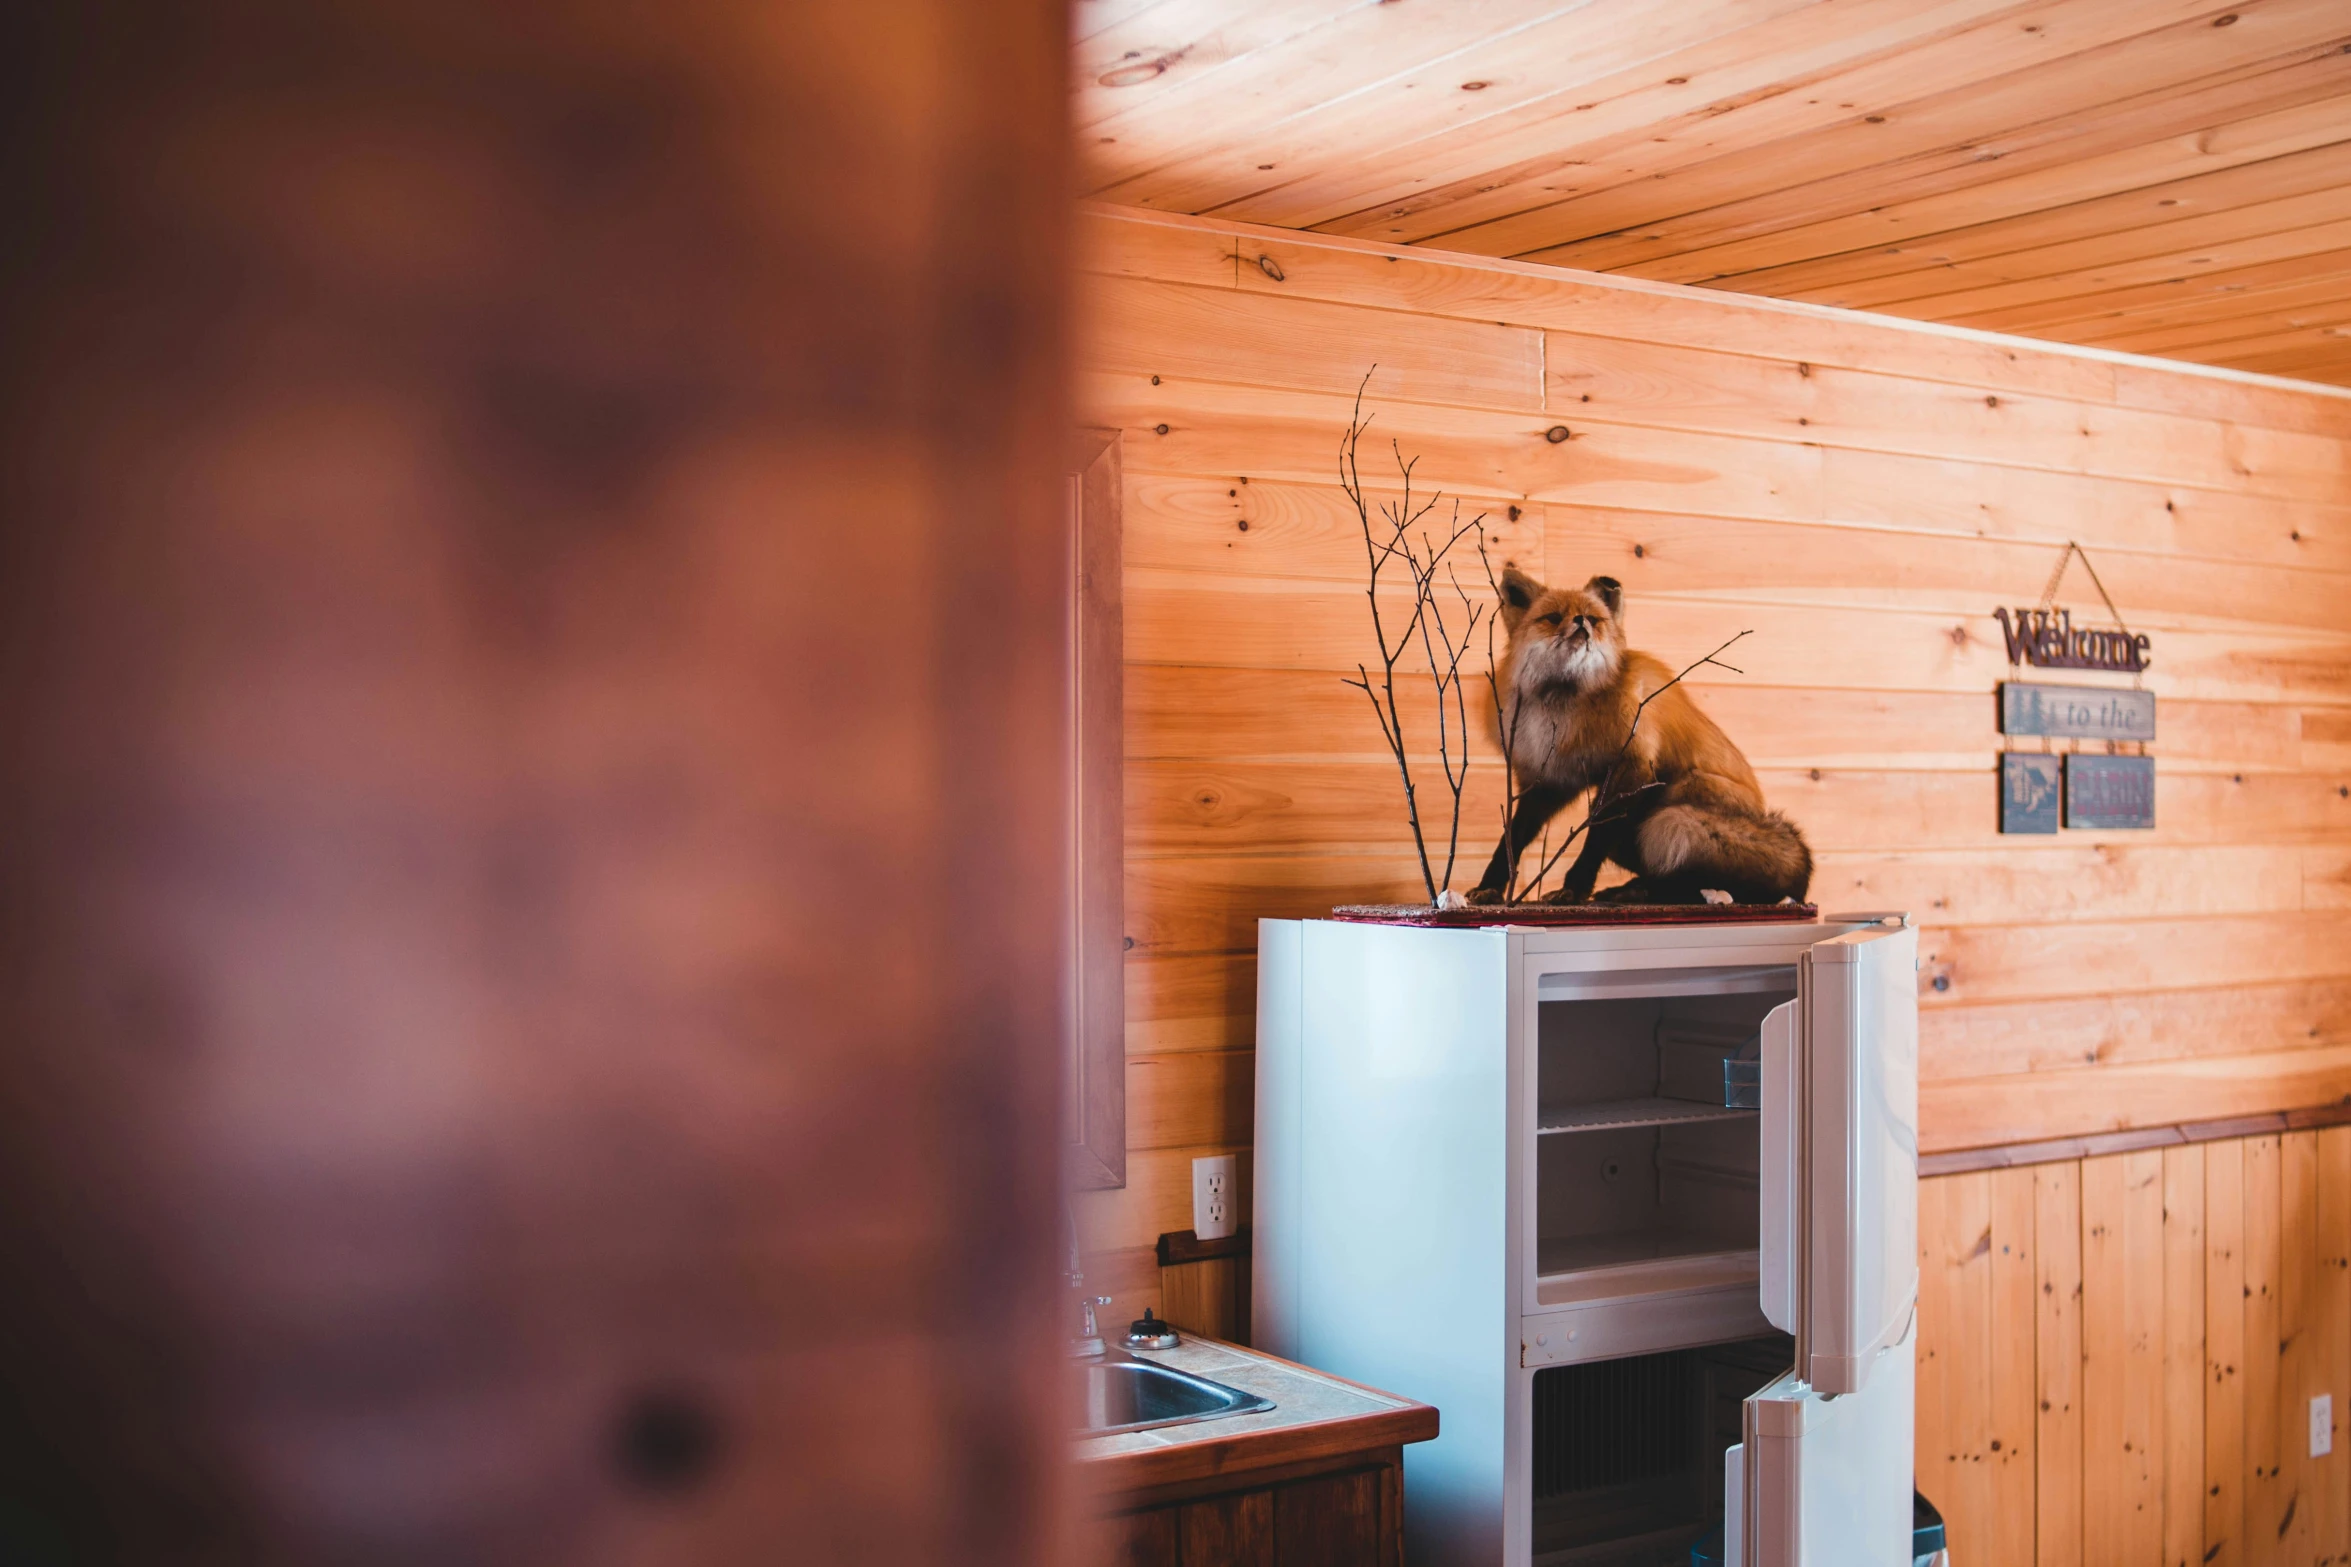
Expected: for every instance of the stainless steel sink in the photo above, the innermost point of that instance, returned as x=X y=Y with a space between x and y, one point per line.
x=1117 y=1393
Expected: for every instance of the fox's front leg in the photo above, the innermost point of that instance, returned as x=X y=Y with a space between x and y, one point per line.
x=1535 y=807
x=1576 y=886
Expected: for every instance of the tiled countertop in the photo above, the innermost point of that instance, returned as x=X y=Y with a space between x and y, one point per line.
x=1314 y=1416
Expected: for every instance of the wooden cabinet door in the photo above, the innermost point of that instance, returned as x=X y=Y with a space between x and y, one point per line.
x=1229 y=1531
x=1144 y=1539
x=1331 y=1521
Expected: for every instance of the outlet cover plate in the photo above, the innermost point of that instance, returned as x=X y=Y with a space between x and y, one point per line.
x=2322 y=1425
x=1216 y=1196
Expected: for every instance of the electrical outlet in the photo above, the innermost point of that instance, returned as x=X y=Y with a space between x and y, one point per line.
x=2322 y=1425
x=1215 y=1195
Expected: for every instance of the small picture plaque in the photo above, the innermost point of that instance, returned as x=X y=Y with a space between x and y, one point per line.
x=2028 y=791
x=2076 y=712
x=2109 y=791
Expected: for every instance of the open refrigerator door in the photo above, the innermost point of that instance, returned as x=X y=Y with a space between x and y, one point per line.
x=1822 y=1477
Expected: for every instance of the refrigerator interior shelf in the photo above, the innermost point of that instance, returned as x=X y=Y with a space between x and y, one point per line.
x=1650 y=1111
x=1638 y=1262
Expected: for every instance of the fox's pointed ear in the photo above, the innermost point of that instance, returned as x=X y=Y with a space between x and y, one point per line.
x=1608 y=591
x=1519 y=592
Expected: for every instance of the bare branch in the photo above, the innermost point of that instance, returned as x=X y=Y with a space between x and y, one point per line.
x=1396 y=539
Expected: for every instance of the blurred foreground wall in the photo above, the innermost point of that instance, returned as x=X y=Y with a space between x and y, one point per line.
x=528 y=672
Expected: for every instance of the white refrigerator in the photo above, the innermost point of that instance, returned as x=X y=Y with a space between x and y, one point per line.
x=1583 y=1190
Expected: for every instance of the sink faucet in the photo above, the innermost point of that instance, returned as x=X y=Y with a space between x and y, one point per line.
x=1087 y=1343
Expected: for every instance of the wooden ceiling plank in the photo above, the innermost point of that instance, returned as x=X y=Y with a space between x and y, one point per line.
x=2208 y=338
x=2187 y=236
x=1994 y=74
x=2206 y=148
x=1750 y=54
x=2317 y=169
x=2315 y=294
x=2203 y=287
x=2314 y=336
x=2040 y=140
x=1451 y=186
x=2315 y=364
x=1976 y=300
x=1175 y=49
x=1354 y=51
x=2328 y=366
x=1250 y=179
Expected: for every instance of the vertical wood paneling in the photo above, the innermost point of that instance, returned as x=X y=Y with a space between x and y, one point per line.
x=2264 y=1498
x=2183 y=1356
x=2298 y=1339
x=2057 y=1338
x=2224 y=1349
x=2141 y=1536
x=2117 y=1355
x=2012 y=1455
x=2107 y=1469
x=1963 y=1257
x=1932 y=1455
x=2331 y=1476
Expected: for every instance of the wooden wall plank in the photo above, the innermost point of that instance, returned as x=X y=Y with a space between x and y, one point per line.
x=2224 y=1348
x=1191 y=1098
x=1993 y=963
x=2330 y=1477
x=1206 y=713
x=1171 y=329
x=1853 y=817
x=2116 y=1029
x=2299 y=1338
x=2183 y=1354
x=1195 y=618
x=2058 y=1498
x=2011 y=1454
x=1961 y=1482
x=1174 y=249
x=2265 y=1500
x=1935 y=1457
x=1987 y=1111
x=2122 y=1370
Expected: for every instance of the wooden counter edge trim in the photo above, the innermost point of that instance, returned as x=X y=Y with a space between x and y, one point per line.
x=1114 y=1476
x=1106 y=1504
x=2008 y=1156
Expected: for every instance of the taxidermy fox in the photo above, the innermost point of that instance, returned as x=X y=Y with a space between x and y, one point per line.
x=1679 y=807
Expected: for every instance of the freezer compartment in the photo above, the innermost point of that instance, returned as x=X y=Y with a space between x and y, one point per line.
x=1642 y=1186
x=1628 y=1454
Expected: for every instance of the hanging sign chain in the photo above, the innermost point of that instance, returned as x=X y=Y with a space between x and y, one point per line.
x=2046 y=635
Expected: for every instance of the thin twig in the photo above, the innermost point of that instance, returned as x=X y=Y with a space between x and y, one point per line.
x=1393 y=544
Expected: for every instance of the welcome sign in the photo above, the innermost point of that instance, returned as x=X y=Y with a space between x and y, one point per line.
x=2040 y=789
x=2050 y=640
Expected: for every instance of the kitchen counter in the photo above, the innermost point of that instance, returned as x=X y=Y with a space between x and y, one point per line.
x=1316 y=1420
